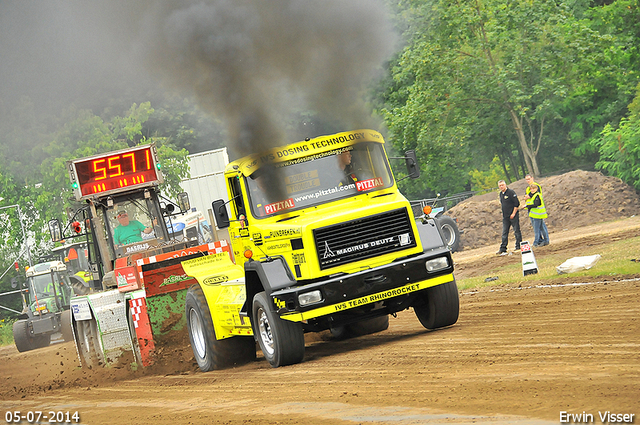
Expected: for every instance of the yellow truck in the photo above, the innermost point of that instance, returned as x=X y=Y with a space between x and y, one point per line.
x=321 y=240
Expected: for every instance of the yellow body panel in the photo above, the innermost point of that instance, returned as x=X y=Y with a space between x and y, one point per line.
x=222 y=283
x=317 y=146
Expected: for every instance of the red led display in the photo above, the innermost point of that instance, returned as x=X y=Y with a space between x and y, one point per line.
x=116 y=171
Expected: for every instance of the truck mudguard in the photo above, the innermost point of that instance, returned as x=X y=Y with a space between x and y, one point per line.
x=430 y=235
x=274 y=273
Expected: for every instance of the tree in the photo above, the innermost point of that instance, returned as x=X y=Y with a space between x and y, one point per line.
x=619 y=148
x=47 y=193
x=472 y=65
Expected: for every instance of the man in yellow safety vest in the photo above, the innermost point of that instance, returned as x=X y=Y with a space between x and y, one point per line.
x=537 y=214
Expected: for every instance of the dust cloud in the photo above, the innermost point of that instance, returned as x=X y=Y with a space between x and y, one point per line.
x=258 y=63
x=258 y=66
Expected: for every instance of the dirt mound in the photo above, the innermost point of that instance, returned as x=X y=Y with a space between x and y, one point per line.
x=575 y=199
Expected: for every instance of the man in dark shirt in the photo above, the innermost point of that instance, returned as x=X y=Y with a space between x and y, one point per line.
x=510 y=216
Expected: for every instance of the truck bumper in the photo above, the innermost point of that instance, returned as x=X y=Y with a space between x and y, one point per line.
x=339 y=294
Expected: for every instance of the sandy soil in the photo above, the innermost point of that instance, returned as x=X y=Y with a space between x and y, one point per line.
x=517 y=355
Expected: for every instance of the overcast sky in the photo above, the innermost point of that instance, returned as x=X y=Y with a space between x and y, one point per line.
x=58 y=52
x=247 y=61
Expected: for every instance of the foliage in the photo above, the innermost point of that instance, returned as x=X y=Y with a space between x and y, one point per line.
x=488 y=179
x=619 y=148
x=480 y=79
x=47 y=193
x=6 y=332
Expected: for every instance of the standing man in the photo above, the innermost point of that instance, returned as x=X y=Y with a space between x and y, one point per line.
x=537 y=214
x=510 y=217
x=544 y=232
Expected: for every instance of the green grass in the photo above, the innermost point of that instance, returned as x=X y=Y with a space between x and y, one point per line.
x=6 y=331
x=615 y=261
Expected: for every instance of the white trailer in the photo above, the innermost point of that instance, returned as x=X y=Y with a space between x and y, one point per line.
x=206 y=181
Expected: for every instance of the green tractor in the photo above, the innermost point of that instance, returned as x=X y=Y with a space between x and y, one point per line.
x=45 y=306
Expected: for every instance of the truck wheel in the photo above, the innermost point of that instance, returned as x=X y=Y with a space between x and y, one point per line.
x=87 y=343
x=65 y=325
x=22 y=337
x=439 y=306
x=450 y=232
x=363 y=327
x=281 y=341
x=42 y=341
x=211 y=353
x=369 y=326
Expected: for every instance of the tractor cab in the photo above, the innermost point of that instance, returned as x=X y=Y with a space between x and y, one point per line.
x=48 y=288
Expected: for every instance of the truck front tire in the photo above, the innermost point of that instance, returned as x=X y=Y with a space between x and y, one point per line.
x=439 y=306
x=209 y=352
x=281 y=341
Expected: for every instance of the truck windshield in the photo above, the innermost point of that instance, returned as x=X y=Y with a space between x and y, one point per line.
x=318 y=179
x=131 y=220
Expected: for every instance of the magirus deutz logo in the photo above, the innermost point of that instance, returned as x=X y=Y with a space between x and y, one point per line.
x=400 y=240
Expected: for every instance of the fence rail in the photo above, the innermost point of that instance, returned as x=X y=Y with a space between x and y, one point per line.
x=445 y=202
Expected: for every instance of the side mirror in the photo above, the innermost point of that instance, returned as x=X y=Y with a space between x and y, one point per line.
x=168 y=210
x=220 y=213
x=413 y=169
x=55 y=230
x=14 y=282
x=183 y=201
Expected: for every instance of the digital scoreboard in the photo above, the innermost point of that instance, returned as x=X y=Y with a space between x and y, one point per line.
x=115 y=172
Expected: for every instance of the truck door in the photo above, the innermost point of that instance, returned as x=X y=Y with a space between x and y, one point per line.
x=238 y=210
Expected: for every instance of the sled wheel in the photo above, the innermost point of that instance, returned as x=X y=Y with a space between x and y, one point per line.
x=65 y=325
x=281 y=341
x=439 y=306
x=88 y=344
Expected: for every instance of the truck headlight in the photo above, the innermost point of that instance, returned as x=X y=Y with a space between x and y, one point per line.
x=310 y=298
x=437 y=264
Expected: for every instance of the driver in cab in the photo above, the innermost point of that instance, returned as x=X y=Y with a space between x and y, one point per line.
x=129 y=231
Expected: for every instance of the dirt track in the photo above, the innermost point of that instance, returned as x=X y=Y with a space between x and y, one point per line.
x=517 y=355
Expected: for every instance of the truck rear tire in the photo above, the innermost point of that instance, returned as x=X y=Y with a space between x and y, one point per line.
x=22 y=337
x=211 y=353
x=281 y=341
x=363 y=327
x=450 y=232
x=439 y=306
x=65 y=325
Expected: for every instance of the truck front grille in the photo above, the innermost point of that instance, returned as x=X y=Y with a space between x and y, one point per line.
x=364 y=238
